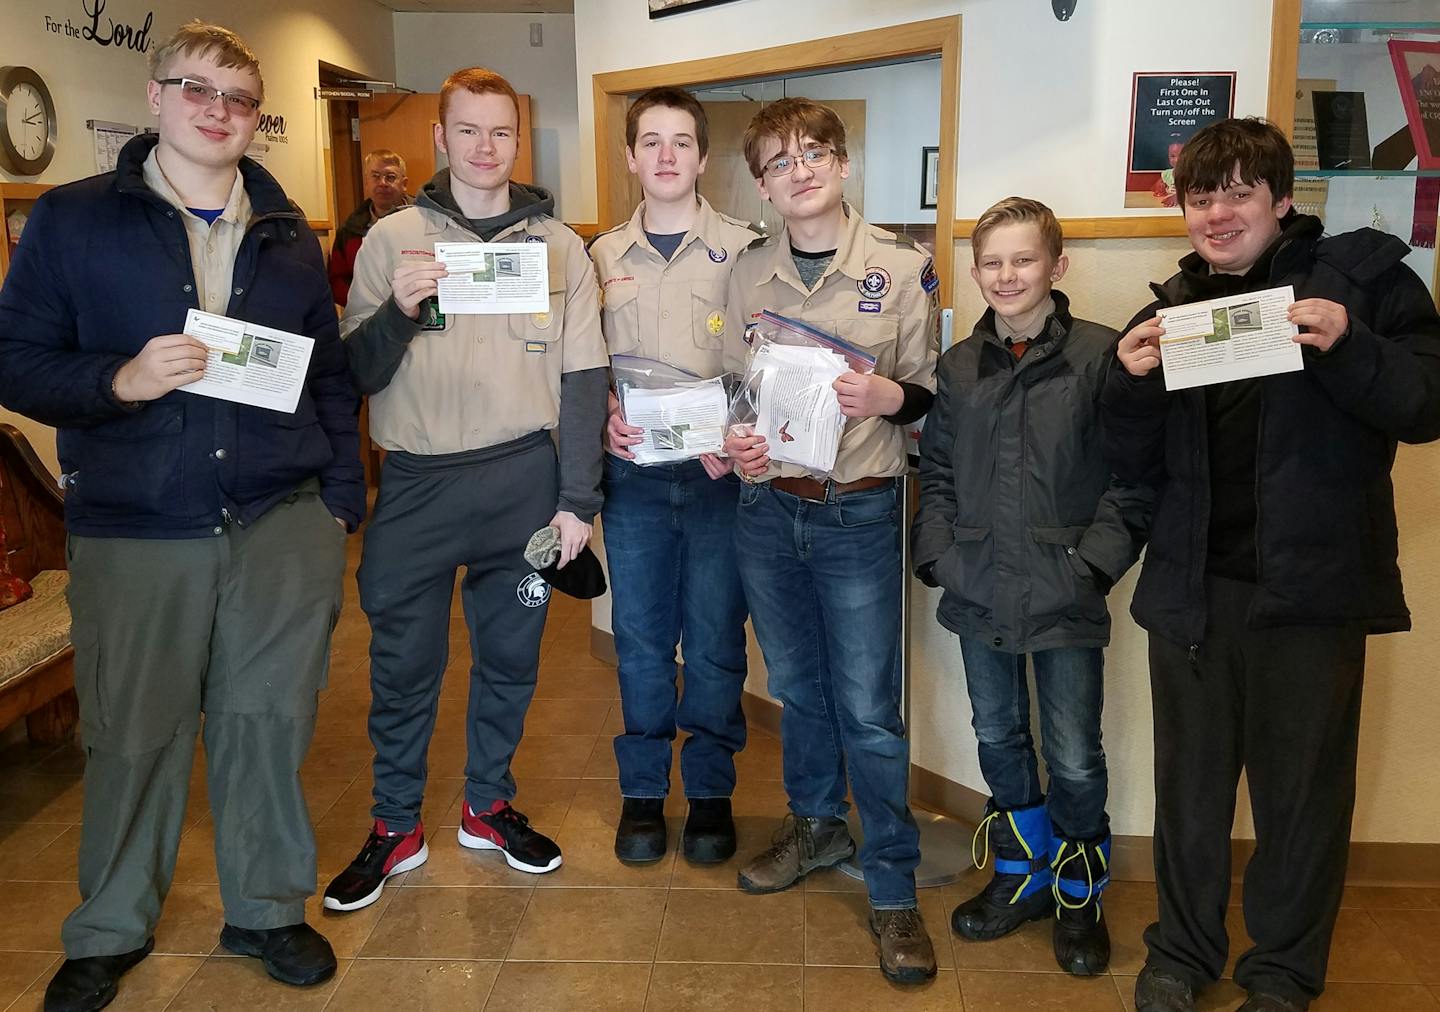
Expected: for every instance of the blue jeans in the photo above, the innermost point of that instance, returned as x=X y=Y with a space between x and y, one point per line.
x=1071 y=684
x=669 y=542
x=823 y=581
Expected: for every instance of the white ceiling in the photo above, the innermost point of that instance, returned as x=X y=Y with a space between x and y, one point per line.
x=483 y=6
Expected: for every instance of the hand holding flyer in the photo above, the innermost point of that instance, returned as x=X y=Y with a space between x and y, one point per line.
x=494 y=277
x=1237 y=337
x=249 y=364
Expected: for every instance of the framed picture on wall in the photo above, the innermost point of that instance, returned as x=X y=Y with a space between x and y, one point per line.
x=929 y=178
x=664 y=8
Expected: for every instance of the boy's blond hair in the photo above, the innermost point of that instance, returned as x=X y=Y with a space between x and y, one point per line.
x=198 y=38
x=1016 y=211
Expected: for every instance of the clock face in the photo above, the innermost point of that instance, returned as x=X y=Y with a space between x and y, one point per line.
x=25 y=120
x=27 y=123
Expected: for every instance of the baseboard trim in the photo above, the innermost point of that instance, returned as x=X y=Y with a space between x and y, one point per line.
x=1377 y=864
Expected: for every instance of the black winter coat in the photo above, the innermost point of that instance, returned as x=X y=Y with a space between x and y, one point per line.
x=1326 y=538
x=1019 y=519
x=104 y=266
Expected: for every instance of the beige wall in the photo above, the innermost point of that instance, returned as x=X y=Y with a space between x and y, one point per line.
x=1067 y=148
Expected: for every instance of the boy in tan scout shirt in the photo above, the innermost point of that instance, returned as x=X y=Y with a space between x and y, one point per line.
x=819 y=554
x=669 y=527
x=465 y=405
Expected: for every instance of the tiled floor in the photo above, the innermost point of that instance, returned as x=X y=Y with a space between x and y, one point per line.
x=465 y=932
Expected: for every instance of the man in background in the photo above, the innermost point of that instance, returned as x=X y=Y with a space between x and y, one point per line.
x=385 y=190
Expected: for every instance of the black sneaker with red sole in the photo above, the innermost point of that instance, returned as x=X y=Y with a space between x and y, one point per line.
x=506 y=830
x=384 y=855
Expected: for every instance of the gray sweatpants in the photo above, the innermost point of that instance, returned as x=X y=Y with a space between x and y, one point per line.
x=236 y=626
x=435 y=514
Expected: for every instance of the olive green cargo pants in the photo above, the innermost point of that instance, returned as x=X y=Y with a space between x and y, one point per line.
x=235 y=626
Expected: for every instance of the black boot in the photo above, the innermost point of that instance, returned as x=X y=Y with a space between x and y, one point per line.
x=1082 y=871
x=295 y=954
x=90 y=983
x=640 y=837
x=1020 y=890
x=709 y=834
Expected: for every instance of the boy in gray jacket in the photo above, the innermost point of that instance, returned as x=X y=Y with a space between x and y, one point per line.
x=1022 y=525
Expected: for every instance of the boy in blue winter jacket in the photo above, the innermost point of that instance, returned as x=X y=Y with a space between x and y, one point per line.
x=1023 y=527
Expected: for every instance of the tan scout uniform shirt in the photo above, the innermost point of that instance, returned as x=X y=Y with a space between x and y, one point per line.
x=483 y=380
x=213 y=248
x=672 y=312
x=873 y=295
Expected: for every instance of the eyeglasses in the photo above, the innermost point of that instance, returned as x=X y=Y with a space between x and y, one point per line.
x=200 y=93
x=385 y=177
x=814 y=158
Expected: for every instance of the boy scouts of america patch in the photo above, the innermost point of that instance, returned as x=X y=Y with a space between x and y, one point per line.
x=929 y=280
x=718 y=255
x=534 y=238
x=875 y=284
x=533 y=591
x=715 y=323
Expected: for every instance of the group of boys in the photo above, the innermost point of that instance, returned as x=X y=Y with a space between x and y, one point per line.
x=1051 y=453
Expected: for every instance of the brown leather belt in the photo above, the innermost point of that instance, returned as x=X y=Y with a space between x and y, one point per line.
x=820 y=491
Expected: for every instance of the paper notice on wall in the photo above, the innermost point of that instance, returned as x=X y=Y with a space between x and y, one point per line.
x=494 y=277
x=1237 y=337
x=109 y=139
x=250 y=364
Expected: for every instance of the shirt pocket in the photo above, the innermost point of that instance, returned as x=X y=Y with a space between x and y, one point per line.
x=543 y=327
x=620 y=318
x=876 y=337
x=707 y=305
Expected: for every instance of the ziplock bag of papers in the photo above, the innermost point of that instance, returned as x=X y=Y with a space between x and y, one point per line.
x=787 y=395
x=683 y=415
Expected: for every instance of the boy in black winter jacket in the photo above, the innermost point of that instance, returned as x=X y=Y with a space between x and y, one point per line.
x=1272 y=556
x=1022 y=526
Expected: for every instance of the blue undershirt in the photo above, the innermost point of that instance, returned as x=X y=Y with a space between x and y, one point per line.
x=208 y=217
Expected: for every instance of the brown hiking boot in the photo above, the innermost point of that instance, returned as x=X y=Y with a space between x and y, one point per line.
x=906 y=955
x=798 y=848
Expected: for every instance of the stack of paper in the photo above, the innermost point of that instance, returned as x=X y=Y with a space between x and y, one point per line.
x=798 y=412
x=680 y=423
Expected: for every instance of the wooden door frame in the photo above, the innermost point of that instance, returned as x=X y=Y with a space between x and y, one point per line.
x=935 y=37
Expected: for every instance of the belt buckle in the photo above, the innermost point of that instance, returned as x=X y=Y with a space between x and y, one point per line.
x=825 y=486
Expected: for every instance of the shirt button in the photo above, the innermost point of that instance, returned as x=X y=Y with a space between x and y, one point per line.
x=220 y=453
x=665 y=315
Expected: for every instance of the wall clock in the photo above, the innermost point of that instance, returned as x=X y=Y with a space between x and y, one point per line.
x=27 y=122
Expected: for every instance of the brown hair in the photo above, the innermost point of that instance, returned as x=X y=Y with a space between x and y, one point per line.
x=793 y=117
x=1014 y=211
x=1252 y=148
x=477 y=81
x=669 y=98
x=384 y=156
x=197 y=38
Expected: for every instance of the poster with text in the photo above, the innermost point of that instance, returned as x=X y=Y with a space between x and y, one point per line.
x=1166 y=110
x=1417 y=70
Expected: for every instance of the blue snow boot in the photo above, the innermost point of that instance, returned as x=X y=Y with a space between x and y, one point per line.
x=1020 y=889
x=1082 y=871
